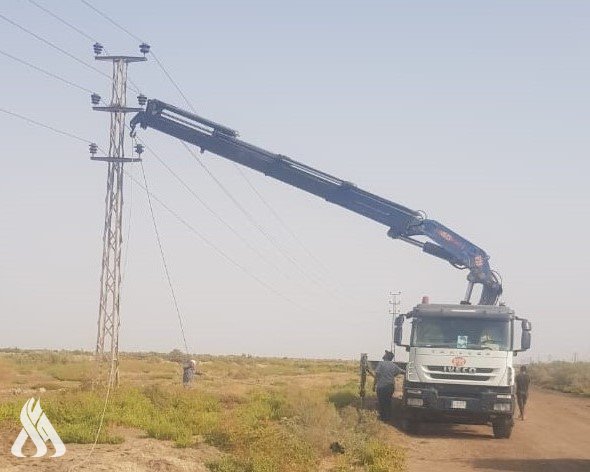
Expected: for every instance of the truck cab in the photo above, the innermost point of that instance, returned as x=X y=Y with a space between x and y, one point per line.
x=460 y=366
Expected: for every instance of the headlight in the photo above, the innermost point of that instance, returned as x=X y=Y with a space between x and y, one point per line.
x=509 y=375
x=414 y=391
x=414 y=402
x=412 y=373
x=507 y=396
x=502 y=407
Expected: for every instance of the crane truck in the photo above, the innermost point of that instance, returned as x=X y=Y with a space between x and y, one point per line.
x=460 y=366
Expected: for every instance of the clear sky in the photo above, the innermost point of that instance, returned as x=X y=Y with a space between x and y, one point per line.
x=475 y=112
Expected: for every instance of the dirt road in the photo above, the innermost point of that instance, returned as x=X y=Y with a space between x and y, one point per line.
x=554 y=438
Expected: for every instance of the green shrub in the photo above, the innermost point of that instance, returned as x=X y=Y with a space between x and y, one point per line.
x=218 y=438
x=85 y=433
x=229 y=464
x=342 y=398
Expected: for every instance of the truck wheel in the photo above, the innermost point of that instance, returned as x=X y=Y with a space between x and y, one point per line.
x=502 y=428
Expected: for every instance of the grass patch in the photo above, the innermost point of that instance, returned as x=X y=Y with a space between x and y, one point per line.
x=263 y=414
x=291 y=430
x=344 y=396
x=71 y=372
x=563 y=376
x=229 y=464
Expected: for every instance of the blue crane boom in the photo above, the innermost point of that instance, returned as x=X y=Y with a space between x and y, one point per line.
x=402 y=223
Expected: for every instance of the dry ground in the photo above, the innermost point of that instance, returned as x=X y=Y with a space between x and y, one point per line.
x=137 y=454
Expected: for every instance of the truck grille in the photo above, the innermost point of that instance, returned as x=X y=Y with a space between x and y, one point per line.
x=453 y=376
x=478 y=374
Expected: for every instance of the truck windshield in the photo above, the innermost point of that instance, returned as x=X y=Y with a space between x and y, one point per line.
x=461 y=333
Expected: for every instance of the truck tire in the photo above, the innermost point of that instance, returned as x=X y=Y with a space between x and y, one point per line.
x=502 y=428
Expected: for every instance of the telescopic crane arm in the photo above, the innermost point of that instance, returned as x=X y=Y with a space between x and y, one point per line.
x=403 y=223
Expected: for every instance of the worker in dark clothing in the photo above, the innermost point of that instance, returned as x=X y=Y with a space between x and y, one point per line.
x=384 y=375
x=523 y=382
x=188 y=372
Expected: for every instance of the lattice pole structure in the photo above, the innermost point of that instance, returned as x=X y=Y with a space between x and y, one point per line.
x=107 y=340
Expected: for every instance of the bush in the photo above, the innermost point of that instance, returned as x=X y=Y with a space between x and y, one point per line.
x=85 y=433
x=229 y=464
x=563 y=376
x=343 y=398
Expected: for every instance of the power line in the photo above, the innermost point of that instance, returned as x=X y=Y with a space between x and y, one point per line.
x=81 y=87
x=160 y=160
x=61 y=20
x=236 y=203
x=110 y=20
x=259 y=227
x=51 y=128
x=77 y=30
x=240 y=207
x=205 y=205
x=277 y=216
x=110 y=382
x=248 y=215
x=164 y=263
x=207 y=170
x=137 y=38
x=319 y=263
x=213 y=246
x=65 y=133
x=66 y=81
x=187 y=187
x=46 y=72
x=54 y=46
x=185 y=223
x=176 y=86
x=250 y=185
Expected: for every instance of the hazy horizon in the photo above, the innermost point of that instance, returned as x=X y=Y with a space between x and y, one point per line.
x=475 y=113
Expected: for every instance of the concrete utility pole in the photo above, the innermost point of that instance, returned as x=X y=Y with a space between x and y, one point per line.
x=107 y=341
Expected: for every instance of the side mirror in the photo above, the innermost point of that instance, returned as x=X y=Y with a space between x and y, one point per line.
x=397 y=335
x=398 y=330
x=526 y=325
x=525 y=337
x=525 y=340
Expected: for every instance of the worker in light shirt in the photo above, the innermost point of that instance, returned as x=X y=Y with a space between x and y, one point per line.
x=384 y=375
x=189 y=370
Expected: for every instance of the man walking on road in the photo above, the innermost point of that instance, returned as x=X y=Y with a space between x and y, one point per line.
x=384 y=384
x=522 y=389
